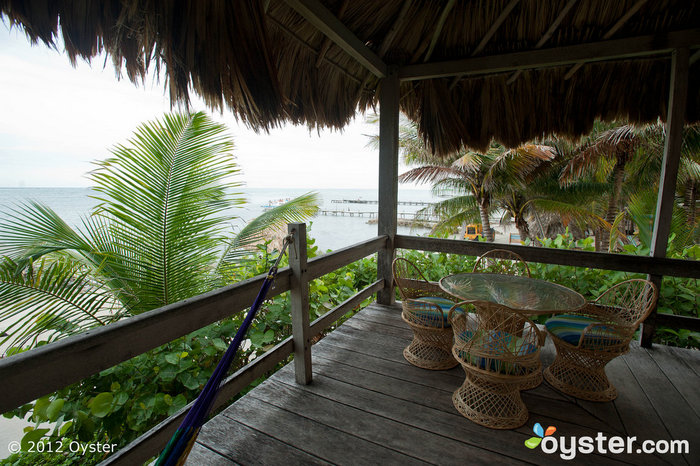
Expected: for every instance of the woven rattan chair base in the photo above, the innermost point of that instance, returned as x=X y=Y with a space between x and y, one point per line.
x=534 y=381
x=431 y=357
x=431 y=348
x=492 y=404
x=580 y=373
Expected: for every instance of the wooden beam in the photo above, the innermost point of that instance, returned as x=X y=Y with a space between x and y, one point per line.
x=327 y=42
x=310 y=47
x=438 y=29
x=620 y=22
x=547 y=35
x=321 y=265
x=490 y=33
x=388 y=179
x=694 y=57
x=595 y=260
x=595 y=51
x=395 y=28
x=675 y=120
x=315 y=13
x=299 y=301
x=330 y=317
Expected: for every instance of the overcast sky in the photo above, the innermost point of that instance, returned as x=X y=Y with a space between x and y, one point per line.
x=56 y=119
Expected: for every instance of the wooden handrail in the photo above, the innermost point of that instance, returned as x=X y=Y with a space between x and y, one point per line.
x=27 y=376
x=596 y=260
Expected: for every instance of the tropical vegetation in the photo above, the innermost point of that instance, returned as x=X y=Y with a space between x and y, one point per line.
x=160 y=233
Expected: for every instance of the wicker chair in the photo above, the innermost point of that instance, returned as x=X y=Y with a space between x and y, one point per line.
x=587 y=340
x=502 y=261
x=497 y=364
x=425 y=307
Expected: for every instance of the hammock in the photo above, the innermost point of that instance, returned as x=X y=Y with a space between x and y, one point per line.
x=179 y=446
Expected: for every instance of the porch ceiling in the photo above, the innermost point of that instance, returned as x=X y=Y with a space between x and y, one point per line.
x=519 y=74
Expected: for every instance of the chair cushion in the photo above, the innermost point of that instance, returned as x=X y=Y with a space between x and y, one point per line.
x=428 y=312
x=569 y=327
x=496 y=343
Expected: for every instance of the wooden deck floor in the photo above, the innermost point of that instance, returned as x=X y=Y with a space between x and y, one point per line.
x=367 y=405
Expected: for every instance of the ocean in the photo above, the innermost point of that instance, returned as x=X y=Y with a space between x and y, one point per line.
x=332 y=231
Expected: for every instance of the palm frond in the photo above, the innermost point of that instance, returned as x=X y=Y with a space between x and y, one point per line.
x=571 y=212
x=166 y=197
x=427 y=174
x=49 y=300
x=268 y=224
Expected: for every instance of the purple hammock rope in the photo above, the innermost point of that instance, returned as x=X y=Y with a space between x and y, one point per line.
x=180 y=444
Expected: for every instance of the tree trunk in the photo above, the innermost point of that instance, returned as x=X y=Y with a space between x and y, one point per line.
x=690 y=200
x=484 y=204
x=522 y=226
x=613 y=204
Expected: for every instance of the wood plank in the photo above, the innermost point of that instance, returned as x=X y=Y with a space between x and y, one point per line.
x=451 y=425
x=330 y=317
x=683 y=378
x=393 y=435
x=596 y=260
x=380 y=319
x=678 y=418
x=665 y=202
x=618 y=49
x=329 y=444
x=203 y=455
x=690 y=357
x=299 y=303
x=326 y=263
x=315 y=13
x=447 y=381
x=387 y=195
x=237 y=442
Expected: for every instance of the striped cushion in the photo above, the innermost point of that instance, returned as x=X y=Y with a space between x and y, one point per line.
x=497 y=343
x=569 y=327
x=430 y=314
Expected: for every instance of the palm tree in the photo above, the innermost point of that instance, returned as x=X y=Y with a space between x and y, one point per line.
x=477 y=180
x=159 y=234
x=629 y=158
x=604 y=155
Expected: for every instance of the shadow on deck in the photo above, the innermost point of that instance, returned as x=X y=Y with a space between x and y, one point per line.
x=367 y=405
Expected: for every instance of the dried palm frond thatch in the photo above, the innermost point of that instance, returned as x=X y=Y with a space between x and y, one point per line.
x=267 y=63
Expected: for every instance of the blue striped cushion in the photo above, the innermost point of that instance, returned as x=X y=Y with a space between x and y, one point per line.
x=569 y=327
x=497 y=343
x=428 y=311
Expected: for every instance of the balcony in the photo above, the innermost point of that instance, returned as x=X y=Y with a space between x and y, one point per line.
x=367 y=405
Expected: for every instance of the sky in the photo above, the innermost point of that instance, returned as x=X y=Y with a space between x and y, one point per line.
x=56 y=120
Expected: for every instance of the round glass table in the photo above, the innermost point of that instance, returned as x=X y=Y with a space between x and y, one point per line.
x=527 y=295
x=499 y=349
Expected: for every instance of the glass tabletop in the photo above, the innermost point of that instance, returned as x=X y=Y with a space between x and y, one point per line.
x=519 y=293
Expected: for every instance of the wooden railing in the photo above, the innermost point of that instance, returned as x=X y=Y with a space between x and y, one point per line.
x=653 y=266
x=28 y=376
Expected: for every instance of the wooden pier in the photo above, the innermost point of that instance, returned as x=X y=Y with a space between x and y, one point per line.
x=364 y=201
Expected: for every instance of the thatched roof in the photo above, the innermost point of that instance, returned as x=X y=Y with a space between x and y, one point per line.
x=268 y=63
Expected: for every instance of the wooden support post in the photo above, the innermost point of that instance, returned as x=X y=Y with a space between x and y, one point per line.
x=388 y=179
x=678 y=95
x=299 y=297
